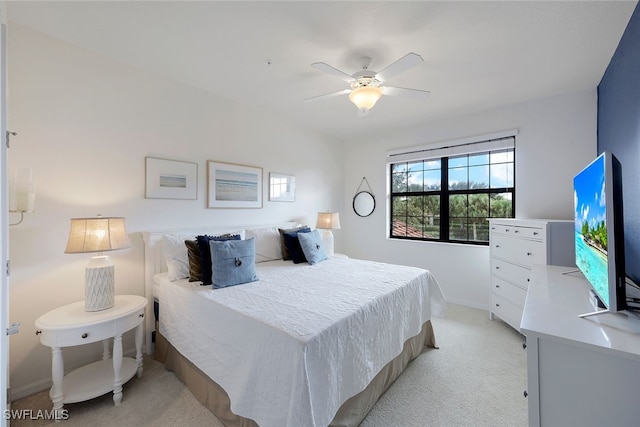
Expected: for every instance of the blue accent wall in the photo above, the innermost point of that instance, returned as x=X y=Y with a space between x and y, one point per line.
x=619 y=131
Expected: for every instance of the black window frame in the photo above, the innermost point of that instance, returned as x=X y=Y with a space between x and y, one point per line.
x=444 y=193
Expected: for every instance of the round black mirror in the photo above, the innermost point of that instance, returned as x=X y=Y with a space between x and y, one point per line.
x=364 y=203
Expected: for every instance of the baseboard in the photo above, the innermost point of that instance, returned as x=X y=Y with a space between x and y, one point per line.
x=18 y=393
x=45 y=384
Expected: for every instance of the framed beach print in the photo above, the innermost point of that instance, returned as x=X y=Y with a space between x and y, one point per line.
x=282 y=188
x=170 y=179
x=233 y=186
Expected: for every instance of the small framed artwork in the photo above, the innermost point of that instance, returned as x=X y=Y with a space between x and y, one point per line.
x=171 y=179
x=233 y=186
x=282 y=188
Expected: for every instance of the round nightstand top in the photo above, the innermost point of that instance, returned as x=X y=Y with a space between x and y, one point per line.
x=74 y=314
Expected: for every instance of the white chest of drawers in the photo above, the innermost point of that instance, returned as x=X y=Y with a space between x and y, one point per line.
x=580 y=371
x=516 y=245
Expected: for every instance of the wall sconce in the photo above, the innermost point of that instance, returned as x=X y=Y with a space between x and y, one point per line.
x=98 y=234
x=328 y=221
x=22 y=192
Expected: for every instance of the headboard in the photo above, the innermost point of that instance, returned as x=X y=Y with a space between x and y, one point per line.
x=155 y=262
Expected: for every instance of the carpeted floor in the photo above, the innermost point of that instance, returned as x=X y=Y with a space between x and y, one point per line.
x=476 y=378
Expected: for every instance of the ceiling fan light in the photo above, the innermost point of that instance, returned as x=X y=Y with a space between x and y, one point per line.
x=365 y=97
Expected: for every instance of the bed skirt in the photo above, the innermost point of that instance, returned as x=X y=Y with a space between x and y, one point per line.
x=350 y=414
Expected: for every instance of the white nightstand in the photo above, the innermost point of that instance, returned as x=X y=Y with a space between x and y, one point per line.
x=71 y=325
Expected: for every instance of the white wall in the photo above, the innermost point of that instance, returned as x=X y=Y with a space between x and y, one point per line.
x=85 y=124
x=557 y=138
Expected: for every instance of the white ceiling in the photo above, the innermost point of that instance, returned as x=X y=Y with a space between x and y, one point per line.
x=477 y=55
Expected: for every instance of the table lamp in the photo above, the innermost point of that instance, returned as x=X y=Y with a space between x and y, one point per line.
x=328 y=221
x=98 y=234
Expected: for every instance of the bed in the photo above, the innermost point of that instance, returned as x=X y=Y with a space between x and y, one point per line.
x=305 y=345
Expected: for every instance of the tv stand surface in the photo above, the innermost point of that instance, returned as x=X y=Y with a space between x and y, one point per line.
x=580 y=371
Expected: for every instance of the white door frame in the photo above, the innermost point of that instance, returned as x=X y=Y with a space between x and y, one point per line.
x=4 y=228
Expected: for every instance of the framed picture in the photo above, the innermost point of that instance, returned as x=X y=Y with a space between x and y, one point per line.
x=233 y=186
x=171 y=179
x=282 y=188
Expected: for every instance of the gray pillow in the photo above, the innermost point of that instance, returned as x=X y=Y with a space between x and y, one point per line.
x=234 y=262
x=195 y=260
x=312 y=246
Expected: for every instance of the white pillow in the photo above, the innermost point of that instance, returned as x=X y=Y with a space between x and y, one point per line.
x=175 y=253
x=267 y=242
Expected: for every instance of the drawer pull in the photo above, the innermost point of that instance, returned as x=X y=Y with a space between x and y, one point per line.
x=517 y=231
x=528 y=279
x=38 y=332
x=535 y=233
x=141 y=315
x=85 y=335
x=497 y=246
x=528 y=253
x=525 y=393
x=497 y=267
x=497 y=286
x=507 y=230
x=524 y=345
x=497 y=305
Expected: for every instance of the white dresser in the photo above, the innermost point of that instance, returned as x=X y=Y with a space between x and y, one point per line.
x=516 y=245
x=580 y=371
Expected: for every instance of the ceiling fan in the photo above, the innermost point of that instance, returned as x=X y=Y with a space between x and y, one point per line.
x=367 y=86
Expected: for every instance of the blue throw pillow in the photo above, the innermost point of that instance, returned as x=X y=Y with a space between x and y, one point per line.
x=312 y=247
x=293 y=245
x=234 y=262
x=205 y=253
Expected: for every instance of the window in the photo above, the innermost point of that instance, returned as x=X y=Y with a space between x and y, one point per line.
x=449 y=198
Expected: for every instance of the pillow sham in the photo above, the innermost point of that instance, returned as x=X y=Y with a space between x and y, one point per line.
x=312 y=247
x=205 y=253
x=294 y=249
x=267 y=243
x=285 y=251
x=195 y=260
x=234 y=262
x=175 y=255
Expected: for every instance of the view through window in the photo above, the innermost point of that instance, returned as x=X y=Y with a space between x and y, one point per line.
x=449 y=198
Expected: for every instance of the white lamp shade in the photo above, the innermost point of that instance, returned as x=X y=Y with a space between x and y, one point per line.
x=365 y=97
x=328 y=221
x=22 y=190
x=98 y=234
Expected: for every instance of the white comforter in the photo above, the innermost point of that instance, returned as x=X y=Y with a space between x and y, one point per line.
x=290 y=348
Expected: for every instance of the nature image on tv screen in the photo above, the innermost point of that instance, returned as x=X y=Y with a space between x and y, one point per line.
x=590 y=226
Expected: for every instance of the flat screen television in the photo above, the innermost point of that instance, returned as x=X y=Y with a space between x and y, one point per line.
x=599 y=239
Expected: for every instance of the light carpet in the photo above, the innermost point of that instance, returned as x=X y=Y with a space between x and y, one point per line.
x=476 y=378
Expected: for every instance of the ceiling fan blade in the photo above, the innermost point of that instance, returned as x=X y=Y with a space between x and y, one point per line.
x=327 y=95
x=326 y=68
x=410 y=60
x=407 y=93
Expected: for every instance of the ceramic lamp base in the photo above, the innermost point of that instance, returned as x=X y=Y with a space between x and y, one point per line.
x=99 y=289
x=327 y=240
